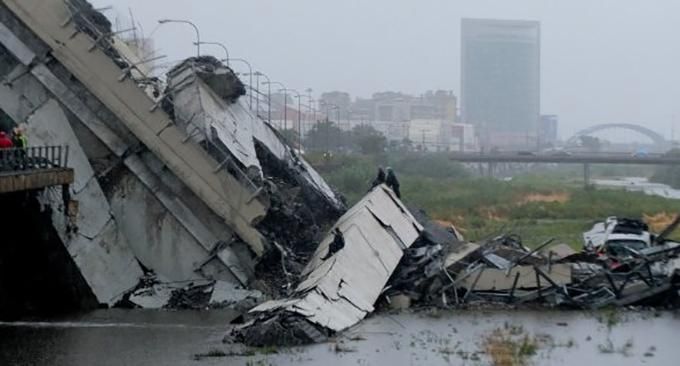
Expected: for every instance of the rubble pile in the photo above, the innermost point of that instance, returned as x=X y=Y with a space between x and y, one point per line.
x=156 y=293
x=203 y=95
x=439 y=269
x=503 y=271
x=219 y=77
x=344 y=277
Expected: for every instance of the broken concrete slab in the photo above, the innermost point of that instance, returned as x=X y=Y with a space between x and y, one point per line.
x=206 y=115
x=340 y=291
x=559 y=251
x=491 y=279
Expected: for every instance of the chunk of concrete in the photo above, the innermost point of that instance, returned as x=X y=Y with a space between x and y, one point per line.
x=339 y=291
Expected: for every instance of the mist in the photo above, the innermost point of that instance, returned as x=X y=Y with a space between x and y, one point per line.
x=607 y=61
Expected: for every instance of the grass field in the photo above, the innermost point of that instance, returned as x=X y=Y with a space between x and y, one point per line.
x=537 y=206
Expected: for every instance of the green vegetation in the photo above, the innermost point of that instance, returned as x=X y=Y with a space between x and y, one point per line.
x=536 y=206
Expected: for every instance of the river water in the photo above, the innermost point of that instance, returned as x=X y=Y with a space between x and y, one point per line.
x=640 y=184
x=117 y=337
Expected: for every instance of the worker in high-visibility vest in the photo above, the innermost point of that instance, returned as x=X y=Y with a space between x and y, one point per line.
x=19 y=139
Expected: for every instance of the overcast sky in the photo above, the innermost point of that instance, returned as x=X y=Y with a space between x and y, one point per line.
x=603 y=61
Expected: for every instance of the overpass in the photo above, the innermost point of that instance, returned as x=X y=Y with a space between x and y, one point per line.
x=565 y=158
x=175 y=180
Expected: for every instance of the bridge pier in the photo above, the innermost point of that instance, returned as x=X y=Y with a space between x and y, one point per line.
x=490 y=169
x=586 y=175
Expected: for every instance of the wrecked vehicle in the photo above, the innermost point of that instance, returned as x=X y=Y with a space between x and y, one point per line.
x=618 y=232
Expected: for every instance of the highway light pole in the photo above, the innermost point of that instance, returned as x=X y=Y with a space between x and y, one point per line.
x=299 y=113
x=285 y=101
x=269 y=94
x=218 y=44
x=198 y=33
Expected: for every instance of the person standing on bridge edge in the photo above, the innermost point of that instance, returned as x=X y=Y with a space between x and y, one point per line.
x=380 y=179
x=19 y=139
x=392 y=182
x=5 y=142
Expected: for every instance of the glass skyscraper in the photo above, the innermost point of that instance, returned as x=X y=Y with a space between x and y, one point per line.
x=501 y=79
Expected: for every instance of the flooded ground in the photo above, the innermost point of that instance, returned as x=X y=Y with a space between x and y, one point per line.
x=149 y=338
x=640 y=184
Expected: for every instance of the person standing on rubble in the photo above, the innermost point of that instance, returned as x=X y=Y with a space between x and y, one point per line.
x=392 y=182
x=380 y=179
x=337 y=244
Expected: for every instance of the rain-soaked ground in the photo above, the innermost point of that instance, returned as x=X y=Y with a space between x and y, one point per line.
x=115 y=337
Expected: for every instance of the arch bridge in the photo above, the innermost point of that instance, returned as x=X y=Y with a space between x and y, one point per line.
x=656 y=138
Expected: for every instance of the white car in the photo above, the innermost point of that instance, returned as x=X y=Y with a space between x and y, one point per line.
x=615 y=237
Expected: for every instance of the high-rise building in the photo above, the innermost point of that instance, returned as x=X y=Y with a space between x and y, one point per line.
x=501 y=80
x=548 y=129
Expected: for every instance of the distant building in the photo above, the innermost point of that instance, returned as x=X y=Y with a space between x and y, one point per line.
x=341 y=99
x=547 y=131
x=501 y=80
x=441 y=135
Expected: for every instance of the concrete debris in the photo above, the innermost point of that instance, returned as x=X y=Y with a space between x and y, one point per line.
x=202 y=97
x=220 y=78
x=155 y=293
x=338 y=292
x=503 y=270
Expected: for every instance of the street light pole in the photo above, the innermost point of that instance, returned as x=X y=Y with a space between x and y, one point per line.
x=218 y=44
x=250 y=85
x=329 y=106
x=299 y=113
x=285 y=101
x=285 y=91
x=198 y=33
x=311 y=101
x=269 y=94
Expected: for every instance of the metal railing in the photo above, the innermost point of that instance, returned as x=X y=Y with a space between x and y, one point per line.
x=33 y=158
x=195 y=132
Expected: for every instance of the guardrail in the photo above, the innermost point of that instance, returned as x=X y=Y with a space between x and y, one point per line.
x=34 y=157
x=103 y=41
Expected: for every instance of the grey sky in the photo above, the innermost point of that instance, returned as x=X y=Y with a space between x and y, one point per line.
x=603 y=61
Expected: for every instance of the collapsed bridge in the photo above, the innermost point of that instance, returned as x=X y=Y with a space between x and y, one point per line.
x=183 y=181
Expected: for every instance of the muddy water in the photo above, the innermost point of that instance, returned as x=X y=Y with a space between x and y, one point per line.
x=443 y=338
x=638 y=184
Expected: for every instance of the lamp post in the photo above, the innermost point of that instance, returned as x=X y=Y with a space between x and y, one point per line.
x=198 y=33
x=311 y=102
x=285 y=101
x=218 y=44
x=299 y=113
x=250 y=85
x=269 y=93
x=329 y=107
x=285 y=93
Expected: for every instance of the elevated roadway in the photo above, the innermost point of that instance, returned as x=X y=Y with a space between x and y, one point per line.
x=566 y=158
x=494 y=158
